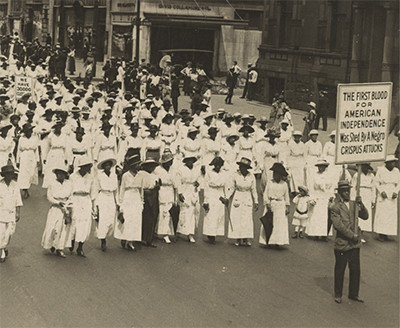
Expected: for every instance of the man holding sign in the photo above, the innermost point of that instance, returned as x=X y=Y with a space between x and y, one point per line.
x=348 y=240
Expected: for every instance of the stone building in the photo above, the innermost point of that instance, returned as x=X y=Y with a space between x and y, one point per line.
x=308 y=46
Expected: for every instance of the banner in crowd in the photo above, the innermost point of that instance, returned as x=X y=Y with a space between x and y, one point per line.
x=23 y=84
x=362 y=122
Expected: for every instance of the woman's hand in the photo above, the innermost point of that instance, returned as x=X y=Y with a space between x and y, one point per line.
x=255 y=207
x=206 y=207
x=181 y=198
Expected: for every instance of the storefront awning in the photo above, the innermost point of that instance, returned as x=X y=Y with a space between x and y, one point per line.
x=214 y=21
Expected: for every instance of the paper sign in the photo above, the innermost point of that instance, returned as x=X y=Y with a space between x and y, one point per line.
x=362 y=122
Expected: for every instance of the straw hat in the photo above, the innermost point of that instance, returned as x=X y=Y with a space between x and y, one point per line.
x=84 y=160
x=166 y=157
x=245 y=161
x=343 y=184
x=112 y=160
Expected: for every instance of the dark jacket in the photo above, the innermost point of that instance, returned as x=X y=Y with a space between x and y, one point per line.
x=231 y=80
x=344 y=222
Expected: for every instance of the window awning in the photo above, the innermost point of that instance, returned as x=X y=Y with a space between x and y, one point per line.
x=209 y=21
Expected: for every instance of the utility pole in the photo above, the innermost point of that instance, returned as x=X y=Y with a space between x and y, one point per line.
x=137 y=30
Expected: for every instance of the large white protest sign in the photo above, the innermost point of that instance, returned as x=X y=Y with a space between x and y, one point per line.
x=362 y=122
x=23 y=84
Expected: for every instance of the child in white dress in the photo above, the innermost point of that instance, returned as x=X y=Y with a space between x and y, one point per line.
x=300 y=215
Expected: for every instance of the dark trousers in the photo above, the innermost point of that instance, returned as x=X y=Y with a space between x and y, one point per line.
x=251 y=91
x=175 y=104
x=228 y=98
x=246 y=87
x=150 y=214
x=324 y=122
x=351 y=256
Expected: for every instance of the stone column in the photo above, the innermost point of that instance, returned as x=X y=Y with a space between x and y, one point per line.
x=387 y=62
x=357 y=43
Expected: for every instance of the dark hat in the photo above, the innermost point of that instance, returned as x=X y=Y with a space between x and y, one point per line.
x=343 y=184
x=15 y=116
x=105 y=126
x=57 y=123
x=96 y=94
x=30 y=113
x=166 y=157
x=184 y=111
x=247 y=128
x=233 y=136
x=152 y=127
x=26 y=127
x=212 y=129
x=150 y=161
x=59 y=169
x=7 y=169
x=273 y=133
x=5 y=127
x=168 y=115
x=48 y=111
x=80 y=129
x=279 y=168
x=135 y=126
x=228 y=118
x=190 y=158
x=133 y=160
x=368 y=165
x=245 y=161
x=217 y=161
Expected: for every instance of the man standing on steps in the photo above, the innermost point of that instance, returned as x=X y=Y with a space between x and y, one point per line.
x=348 y=240
x=246 y=86
x=253 y=76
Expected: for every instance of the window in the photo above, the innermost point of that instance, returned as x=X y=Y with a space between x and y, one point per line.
x=253 y=16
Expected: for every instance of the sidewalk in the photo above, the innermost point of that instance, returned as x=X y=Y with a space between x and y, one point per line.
x=80 y=69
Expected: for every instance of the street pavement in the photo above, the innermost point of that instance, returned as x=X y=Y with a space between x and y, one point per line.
x=192 y=285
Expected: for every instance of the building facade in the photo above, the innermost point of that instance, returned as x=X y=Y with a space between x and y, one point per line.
x=213 y=33
x=30 y=18
x=308 y=46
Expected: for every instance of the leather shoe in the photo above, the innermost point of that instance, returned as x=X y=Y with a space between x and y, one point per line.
x=81 y=253
x=338 y=300
x=357 y=299
x=6 y=251
x=52 y=249
x=131 y=247
x=61 y=254
x=2 y=259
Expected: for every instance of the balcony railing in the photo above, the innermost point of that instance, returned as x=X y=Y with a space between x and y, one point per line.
x=85 y=3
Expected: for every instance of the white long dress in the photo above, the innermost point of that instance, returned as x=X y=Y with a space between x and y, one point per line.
x=10 y=198
x=277 y=196
x=83 y=193
x=243 y=189
x=189 y=213
x=321 y=189
x=296 y=163
x=166 y=198
x=28 y=157
x=6 y=148
x=107 y=186
x=368 y=194
x=214 y=188
x=56 y=157
x=56 y=231
x=386 y=214
x=131 y=205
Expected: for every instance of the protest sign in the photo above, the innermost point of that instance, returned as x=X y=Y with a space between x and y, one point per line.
x=362 y=122
x=23 y=84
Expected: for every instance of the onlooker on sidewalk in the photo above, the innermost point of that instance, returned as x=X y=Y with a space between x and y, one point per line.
x=322 y=111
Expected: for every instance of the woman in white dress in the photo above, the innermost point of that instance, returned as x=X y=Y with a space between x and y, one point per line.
x=27 y=159
x=276 y=200
x=215 y=182
x=106 y=200
x=129 y=226
x=83 y=203
x=10 y=203
x=387 y=184
x=242 y=189
x=321 y=186
x=57 y=155
x=105 y=145
x=6 y=144
x=367 y=193
x=296 y=161
x=211 y=146
x=246 y=143
x=189 y=180
x=58 y=221
x=166 y=195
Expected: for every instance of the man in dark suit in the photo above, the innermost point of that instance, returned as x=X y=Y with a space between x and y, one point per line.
x=348 y=239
